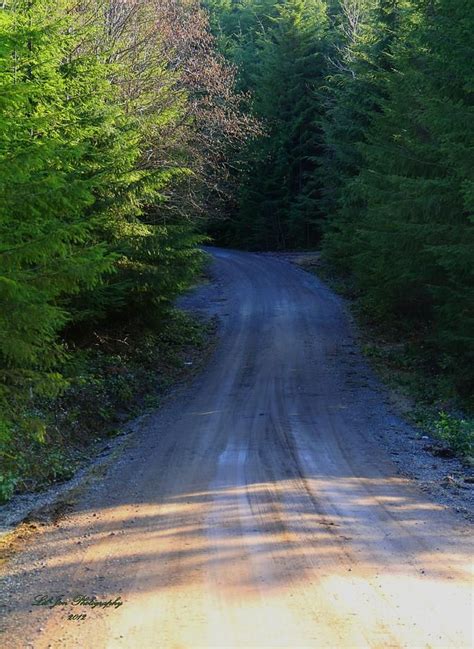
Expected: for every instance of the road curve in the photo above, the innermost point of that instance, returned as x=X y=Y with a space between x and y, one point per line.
x=257 y=508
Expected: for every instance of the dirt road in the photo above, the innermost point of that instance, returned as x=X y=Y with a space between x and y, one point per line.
x=258 y=508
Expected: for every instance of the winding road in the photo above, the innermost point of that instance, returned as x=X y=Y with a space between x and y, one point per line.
x=258 y=508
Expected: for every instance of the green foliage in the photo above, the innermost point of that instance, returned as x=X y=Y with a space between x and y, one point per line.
x=55 y=119
x=8 y=483
x=156 y=263
x=47 y=183
x=414 y=237
x=88 y=161
x=280 y=48
x=457 y=433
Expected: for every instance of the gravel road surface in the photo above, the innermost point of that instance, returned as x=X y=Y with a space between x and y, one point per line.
x=258 y=508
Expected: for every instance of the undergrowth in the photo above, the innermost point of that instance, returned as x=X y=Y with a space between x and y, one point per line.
x=112 y=376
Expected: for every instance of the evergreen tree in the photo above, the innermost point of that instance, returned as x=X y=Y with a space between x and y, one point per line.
x=110 y=146
x=364 y=34
x=54 y=111
x=73 y=193
x=416 y=237
x=279 y=206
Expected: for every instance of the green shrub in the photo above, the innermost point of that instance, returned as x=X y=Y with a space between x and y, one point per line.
x=457 y=433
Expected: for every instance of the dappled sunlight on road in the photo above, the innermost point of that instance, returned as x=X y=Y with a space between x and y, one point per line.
x=261 y=565
x=278 y=518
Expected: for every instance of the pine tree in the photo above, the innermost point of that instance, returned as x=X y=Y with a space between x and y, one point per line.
x=416 y=236
x=110 y=145
x=53 y=111
x=360 y=63
x=278 y=207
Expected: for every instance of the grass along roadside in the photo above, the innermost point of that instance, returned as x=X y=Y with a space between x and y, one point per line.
x=419 y=387
x=113 y=376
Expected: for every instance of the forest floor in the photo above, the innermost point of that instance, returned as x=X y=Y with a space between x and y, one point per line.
x=272 y=502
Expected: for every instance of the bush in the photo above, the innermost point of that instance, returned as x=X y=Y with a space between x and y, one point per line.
x=457 y=433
